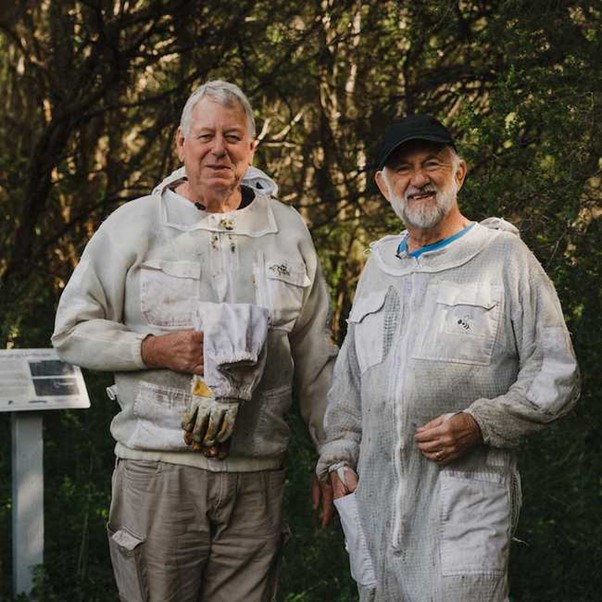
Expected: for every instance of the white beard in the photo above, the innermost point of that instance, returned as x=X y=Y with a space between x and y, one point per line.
x=423 y=214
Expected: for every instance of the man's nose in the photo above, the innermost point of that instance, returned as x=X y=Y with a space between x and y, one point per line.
x=219 y=148
x=419 y=178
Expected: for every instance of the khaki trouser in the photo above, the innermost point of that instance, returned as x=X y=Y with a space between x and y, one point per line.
x=178 y=533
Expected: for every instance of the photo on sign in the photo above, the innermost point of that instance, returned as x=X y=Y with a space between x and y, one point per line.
x=47 y=387
x=50 y=368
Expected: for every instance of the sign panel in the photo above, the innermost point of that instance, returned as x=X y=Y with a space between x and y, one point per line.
x=36 y=379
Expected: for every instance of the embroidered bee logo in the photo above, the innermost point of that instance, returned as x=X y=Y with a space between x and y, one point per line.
x=281 y=270
x=465 y=324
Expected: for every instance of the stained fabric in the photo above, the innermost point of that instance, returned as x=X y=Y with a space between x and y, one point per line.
x=144 y=272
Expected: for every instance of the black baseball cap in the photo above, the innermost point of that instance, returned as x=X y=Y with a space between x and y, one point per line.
x=414 y=127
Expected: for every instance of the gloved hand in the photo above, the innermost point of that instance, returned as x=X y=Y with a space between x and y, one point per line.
x=208 y=421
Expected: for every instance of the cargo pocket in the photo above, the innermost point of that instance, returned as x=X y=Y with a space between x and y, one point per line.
x=360 y=561
x=463 y=324
x=168 y=291
x=475 y=522
x=125 y=549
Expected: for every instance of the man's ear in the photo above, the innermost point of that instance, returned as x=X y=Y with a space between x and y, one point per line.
x=180 y=143
x=461 y=172
x=381 y=182
x=254 y=145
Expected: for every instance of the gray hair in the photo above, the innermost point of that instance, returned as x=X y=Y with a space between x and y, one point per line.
x=227 y=94
x=455 y=159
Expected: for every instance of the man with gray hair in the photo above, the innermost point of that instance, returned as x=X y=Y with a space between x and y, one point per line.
x=456 y=348
x=205 y=298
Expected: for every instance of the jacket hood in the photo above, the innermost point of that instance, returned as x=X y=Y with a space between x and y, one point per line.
x=256 y=219
x=384 y=250
x=499 y=223
x=254 y=178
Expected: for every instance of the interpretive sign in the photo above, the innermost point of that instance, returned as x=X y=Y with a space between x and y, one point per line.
x=36 y=379
x=32 y=381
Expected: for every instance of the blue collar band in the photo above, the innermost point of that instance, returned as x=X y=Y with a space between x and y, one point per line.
x=403 y=245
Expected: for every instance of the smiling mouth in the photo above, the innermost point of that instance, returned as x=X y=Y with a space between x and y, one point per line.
x=420 y=196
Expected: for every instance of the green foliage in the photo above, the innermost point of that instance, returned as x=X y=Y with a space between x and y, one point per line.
x=92 y=93
x=313 y=568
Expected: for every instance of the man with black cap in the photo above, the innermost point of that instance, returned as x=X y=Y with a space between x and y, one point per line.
x=456 y=348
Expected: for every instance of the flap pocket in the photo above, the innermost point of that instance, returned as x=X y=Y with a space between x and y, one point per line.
x=374 y=319
x=127 y=541
x=286 y=285
x=128 y=568
x=369 y=304
x=177 y=269
x=168 y=290
x=455 y=295
x=463 y=323
x=291 y=272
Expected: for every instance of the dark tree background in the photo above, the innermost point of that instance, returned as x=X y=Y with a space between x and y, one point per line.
x=91 y=96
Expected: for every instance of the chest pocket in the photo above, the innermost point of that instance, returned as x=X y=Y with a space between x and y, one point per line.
x=460 y=324
x=286 y=284
x=168 y=291
x=375 y=318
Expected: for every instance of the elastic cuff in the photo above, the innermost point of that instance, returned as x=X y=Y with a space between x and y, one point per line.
x=246 y=357
x=137 y=351
x=241 y=393
x=482 y=427
x=229 y=399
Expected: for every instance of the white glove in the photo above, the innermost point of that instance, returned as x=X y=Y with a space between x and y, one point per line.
x=234 y=347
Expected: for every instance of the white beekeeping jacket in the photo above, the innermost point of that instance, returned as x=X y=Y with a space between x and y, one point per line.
x=144 y=272
x=474 y=326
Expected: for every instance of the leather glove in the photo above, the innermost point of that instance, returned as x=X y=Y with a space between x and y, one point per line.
x=209 y=421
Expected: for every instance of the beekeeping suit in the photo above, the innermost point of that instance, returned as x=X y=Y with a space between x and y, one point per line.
x=474 y=326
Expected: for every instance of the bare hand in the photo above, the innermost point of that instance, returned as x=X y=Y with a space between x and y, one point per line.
x=180 y=351
x=444 y=440
x=322 y=491
x=343 y=487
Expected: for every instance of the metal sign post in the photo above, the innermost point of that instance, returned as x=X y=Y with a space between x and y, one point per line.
x=28 y=498
x=33 y=380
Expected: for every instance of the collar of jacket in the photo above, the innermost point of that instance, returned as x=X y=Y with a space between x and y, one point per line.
x=444 y=258
x=257 y=219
